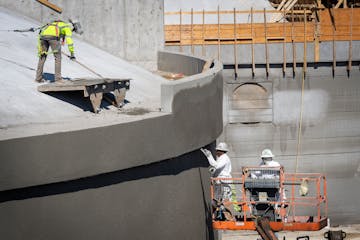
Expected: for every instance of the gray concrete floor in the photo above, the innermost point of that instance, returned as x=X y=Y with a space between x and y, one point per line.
x=26 y=112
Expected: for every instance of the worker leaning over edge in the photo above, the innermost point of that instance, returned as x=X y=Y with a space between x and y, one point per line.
x=50 y=35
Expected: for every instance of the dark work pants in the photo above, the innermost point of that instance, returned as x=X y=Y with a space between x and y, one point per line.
x=56 y=49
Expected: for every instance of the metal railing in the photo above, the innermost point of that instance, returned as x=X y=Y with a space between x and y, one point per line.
x=292 y=197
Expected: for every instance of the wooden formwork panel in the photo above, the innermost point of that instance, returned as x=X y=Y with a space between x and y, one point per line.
x=245 y=33
x=340 y=24
x=346 y=22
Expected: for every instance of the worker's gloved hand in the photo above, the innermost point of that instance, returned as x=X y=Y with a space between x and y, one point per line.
x=72 y=57
x=206 y=152
x=212 y=169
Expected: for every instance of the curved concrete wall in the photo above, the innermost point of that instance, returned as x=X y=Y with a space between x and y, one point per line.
x=165 y=200
x=130 y=180
x=194 y=119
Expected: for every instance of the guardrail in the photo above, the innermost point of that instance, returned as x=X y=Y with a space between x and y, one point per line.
x=292 y=201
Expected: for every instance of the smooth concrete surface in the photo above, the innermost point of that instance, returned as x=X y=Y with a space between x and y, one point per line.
x=275 y=52
x=228 y=5
x=129 y=29
x=163 y=200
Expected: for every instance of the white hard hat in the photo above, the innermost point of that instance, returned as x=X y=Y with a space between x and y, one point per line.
x=222 y=147
x=76 y=26
x=266 y=153
x=54 y=17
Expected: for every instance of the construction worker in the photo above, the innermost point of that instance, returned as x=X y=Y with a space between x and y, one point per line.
x=50 y=35
x=267 y=159
x=221 y=168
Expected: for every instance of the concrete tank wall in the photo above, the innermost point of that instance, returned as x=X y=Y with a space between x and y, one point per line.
x=192 y=118
x=137 y=180
x=132 y=30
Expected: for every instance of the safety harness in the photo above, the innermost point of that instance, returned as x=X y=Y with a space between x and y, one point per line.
x=40 y=50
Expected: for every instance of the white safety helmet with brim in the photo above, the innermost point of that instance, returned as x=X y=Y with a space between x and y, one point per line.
x=266 y=154
x=76 y=26
x=223 y=147
x=54 y=17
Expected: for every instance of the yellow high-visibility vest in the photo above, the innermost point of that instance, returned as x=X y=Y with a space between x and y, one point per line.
x=59 y=29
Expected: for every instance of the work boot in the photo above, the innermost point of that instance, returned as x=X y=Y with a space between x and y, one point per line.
x=61 y=81
x=40 y=81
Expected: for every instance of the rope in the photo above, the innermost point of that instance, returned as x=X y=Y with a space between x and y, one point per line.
x=84 y=66
x=33 y=29
x=300 y=122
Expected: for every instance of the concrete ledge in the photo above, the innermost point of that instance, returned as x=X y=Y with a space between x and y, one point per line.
x=197 y=77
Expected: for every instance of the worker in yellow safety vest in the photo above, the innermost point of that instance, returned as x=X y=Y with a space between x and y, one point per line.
x=53 y=35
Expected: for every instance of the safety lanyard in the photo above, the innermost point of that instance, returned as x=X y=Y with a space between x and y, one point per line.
x=57 y=29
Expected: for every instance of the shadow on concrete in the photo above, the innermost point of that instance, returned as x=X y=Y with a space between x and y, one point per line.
x=51 y=77
x=77 y=99
x=171 y=166
x=207 y=210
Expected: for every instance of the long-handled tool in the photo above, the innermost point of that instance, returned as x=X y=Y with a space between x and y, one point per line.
x=83 y=65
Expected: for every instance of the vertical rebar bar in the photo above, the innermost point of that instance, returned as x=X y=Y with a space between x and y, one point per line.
x=252 y=43
x=235 y=45
x=284 y=45
x=203 y=33
x=180 y=26
x=266 y=45
x=218 y=35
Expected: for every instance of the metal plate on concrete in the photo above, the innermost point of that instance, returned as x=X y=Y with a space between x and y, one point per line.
x=77 y=84
x=93 y=88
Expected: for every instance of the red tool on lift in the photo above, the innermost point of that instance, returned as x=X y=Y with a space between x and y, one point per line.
x=266 y=199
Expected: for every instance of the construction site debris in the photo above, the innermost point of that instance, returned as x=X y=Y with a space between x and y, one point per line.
x=135 y=111
x=170 y=75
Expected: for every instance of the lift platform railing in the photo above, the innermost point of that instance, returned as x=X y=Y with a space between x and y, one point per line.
x=291 y=201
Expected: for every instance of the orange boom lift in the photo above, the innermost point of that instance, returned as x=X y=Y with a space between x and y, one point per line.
x=266 y=199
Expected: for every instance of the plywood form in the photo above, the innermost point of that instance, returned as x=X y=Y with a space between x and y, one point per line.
x=198 y=34
x=345 y=24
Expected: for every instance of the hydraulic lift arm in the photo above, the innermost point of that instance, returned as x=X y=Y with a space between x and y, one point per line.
x=264 y=229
